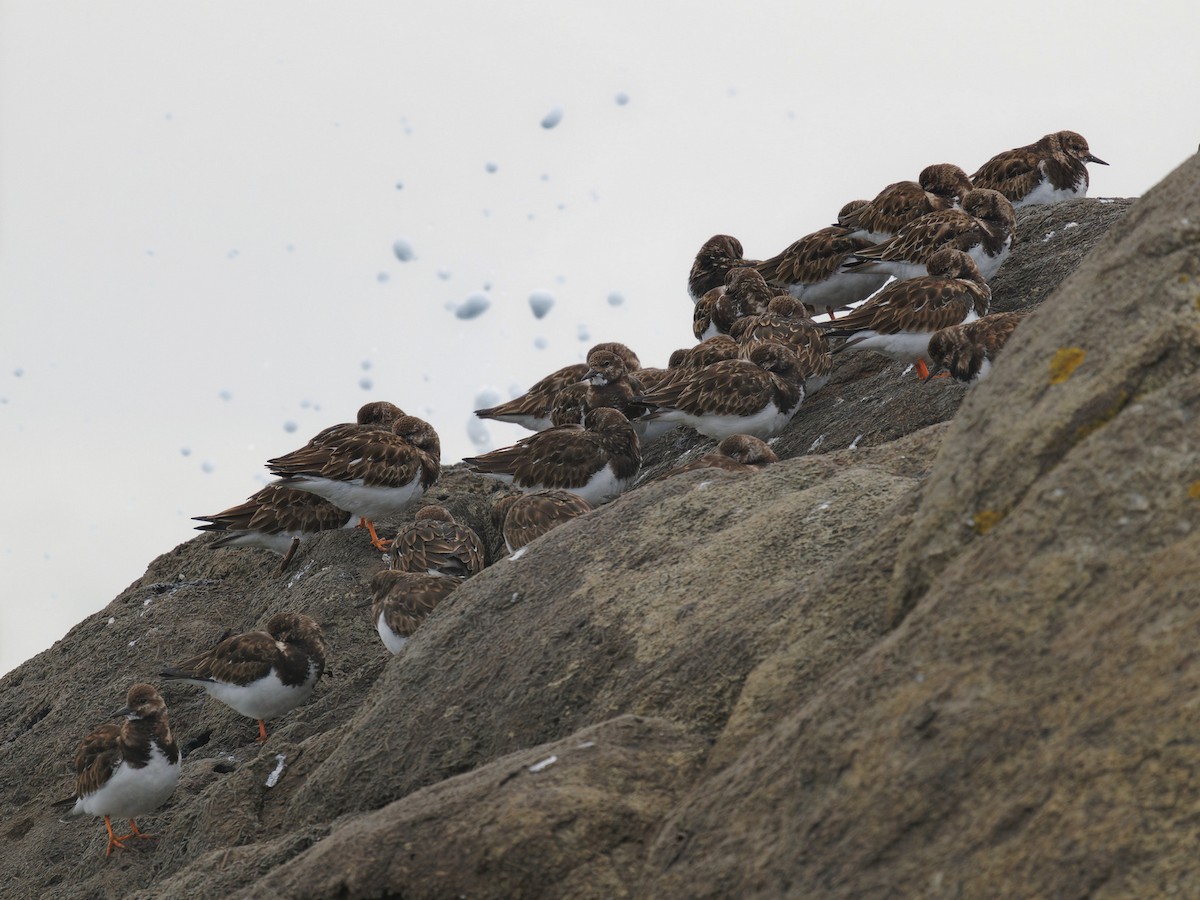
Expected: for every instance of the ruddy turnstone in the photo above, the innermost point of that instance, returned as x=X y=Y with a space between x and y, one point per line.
x=705 y=353
x=608 y=382
x=787 y=322
x=260 y=674
x=275 y=519
x=402 y=600
x=596 y=460
x=130 y=769
x=533 y=408
x=967 y=351
x=523 y=517
x=984 y=228
x=756 y=396
x=716 y=257
x=737 y=453
x=900 y=319
x=372 y=474
x=849 y=208
x=378 y=414
x=811 y=270
x=744 y=293
x=1045 y=171
x=437 y=545
x=940 y=186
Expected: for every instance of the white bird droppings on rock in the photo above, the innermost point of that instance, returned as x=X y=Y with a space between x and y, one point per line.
x=541 y=302
x=854 y=443
x=277 y=772
x=552 y=118
x=517 y=554
x=544 y=764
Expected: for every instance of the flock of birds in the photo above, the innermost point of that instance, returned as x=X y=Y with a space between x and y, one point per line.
x=905 y=274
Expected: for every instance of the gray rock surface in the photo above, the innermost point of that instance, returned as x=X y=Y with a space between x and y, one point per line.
x=944 y=647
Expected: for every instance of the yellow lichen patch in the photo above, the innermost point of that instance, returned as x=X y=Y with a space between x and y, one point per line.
x=1194 y=490
x=985 y=521
x=1066 y=360
x=1104 y=418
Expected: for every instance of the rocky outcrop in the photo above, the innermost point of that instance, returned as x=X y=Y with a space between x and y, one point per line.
x=943 y=647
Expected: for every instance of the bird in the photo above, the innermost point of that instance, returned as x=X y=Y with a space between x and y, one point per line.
x=900 y=319
x=811 y=269
x=967 y=351
x=940 y=186
x=401 y=600
x=787 y=322
x=984 y=227
x=596 y=460
x=378 y=414
x=275 y=518
x=523 y=517
x=705 y=353
x=261 y=674
x=127 y=770
x=756 y=396
x=744 y=293
x=435 y=544
x=1049 y=170
x=738 y=453
x=372 y=474
x=532 y=409
x=716 y=257
x=608 y=382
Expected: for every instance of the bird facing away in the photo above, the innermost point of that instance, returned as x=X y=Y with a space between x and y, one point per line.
x=261 y=674
x=596 y=460
x=130 y=769
x=373 y=474
x=275 y=518
x=715 y=258
x=523 y=517
x=900 y=319
x=940 y=186
x=786 y=321
x=437 y=545
x=1047 y=171
x=984 y=228
x=967 y=351
x=738 y=453
x=400 y=602
x=533 y=409
x=756 y=396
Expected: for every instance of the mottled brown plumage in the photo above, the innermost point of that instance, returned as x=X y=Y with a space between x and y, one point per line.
x=940 y=186
x=716 y=257
x=533 y=409
x=596 y=460
x=1047 y=171
x=786 y=321
x=608 y=382
x=744 y=293
x=402 y=600
x=275 y=518
x=524 y=517
x=130 y=769
x=967 y=351
x=378 y=414
x=984 y=227
x=753 y=396
x=738 y=453
x=437 y=545
x=260 y=674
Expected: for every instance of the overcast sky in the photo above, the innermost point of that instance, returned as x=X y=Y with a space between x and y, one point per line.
x=200 y=202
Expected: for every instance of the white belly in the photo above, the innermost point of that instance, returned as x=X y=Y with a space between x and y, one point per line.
x=133 y=792
x=357 y=498
x=394 y=642
x=264 y=699
x=765 y=423
x=1046 y=193
x=600 y=488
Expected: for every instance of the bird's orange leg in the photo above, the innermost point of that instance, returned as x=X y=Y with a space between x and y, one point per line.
x=376 y=541
x=134 y=833
x=922 y=369
x=262 y=731
x=113 y=840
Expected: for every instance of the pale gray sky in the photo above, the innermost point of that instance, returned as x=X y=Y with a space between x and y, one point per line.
x=198 y=205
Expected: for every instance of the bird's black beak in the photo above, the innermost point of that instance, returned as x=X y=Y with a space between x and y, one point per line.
x=123 y=713
x=1095 y=159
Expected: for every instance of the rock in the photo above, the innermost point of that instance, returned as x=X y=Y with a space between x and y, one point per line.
x=955 y=659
